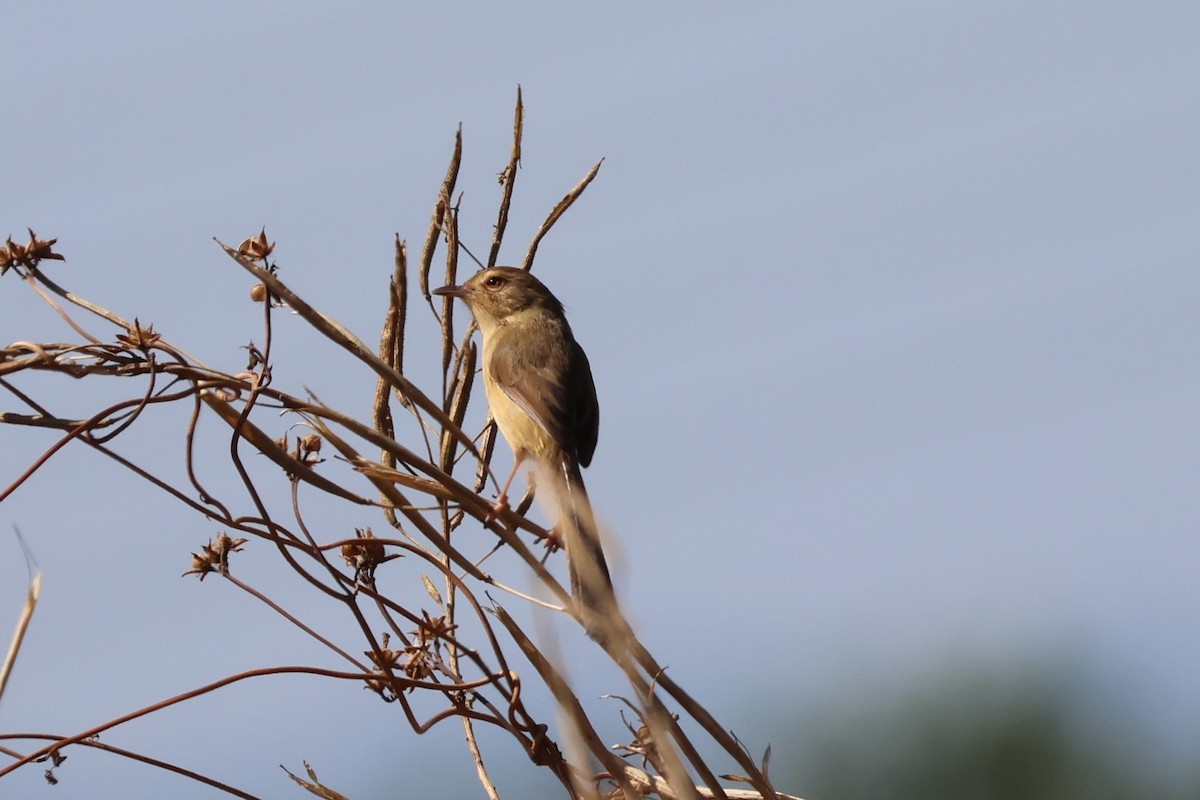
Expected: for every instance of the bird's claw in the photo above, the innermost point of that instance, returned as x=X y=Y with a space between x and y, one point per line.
x=499 y=508
x=554 y=539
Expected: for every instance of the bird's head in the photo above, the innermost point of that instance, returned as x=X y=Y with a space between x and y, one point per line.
x=497 y=293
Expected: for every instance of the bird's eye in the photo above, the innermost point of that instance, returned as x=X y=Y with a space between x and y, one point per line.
x=494 y=281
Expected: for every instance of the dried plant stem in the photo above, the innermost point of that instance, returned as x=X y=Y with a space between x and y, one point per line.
x=14 y=647
x=557 y=213
x=458 y=650
x=508 y=179
x=96 y=744
x=197 y=692
x=337 y=333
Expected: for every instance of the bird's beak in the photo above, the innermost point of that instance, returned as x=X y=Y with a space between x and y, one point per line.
x=451 y=291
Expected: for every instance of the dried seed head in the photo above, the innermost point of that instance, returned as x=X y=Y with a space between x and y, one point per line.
x=364 y=554
x=138 y=337
x=214 y=556
x=256 y=248
x=307 y=448
x=27 y=255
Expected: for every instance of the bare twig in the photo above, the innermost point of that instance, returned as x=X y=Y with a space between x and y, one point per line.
x=557 y=213
x=508 y=179
x=452 y=651
x=31 y=600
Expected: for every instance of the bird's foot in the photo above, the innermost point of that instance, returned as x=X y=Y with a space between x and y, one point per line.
x=554 y=540
x=499 y=508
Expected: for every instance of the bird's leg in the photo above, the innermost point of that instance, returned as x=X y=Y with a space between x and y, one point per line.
x=502 y=501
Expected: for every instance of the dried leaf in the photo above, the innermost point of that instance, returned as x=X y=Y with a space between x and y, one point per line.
x=433 y=592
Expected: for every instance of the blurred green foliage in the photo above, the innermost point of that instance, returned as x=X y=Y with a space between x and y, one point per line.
x=977 y=736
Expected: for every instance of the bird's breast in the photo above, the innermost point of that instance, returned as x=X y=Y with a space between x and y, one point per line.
x=524 y=433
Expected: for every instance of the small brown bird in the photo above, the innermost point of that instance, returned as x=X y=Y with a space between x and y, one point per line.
x=540 y=389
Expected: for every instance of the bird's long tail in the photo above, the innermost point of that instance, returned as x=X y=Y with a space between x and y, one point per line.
x=591 y=584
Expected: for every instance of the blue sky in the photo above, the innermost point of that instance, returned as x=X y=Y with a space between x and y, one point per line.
x=892 y=311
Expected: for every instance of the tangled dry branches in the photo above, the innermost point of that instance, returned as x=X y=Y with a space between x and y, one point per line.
x=464 y=648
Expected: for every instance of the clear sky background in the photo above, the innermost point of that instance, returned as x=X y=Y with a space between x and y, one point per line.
x=892 y=310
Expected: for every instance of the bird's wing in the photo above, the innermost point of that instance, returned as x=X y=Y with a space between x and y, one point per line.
x=550 y=379
x=585 y=420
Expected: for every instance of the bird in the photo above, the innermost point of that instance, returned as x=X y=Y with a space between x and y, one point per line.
x=542 y=395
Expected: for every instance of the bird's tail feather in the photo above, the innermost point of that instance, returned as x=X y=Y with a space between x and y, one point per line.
x=591 y=583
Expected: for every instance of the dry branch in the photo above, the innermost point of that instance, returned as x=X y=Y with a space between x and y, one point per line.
x=463 y=655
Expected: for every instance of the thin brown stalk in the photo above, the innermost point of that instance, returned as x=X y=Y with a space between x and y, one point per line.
x=32 y=279
x=449 y=649
x=94 y=308
x=14 y=648
x=439 y=213
x=340 y=335
x=197 y=692
x=398 y=500
x=143 y=759
x=391 y=340
x=470 y=500
x=98 y=310
x=481 y=772
x=557 y=212
x=646 y=784
x=508 y=179
x=704 y=719
x=74 y=433
x=269 y=448
x=464 y=382
x=283 y=612
x=568 y=703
